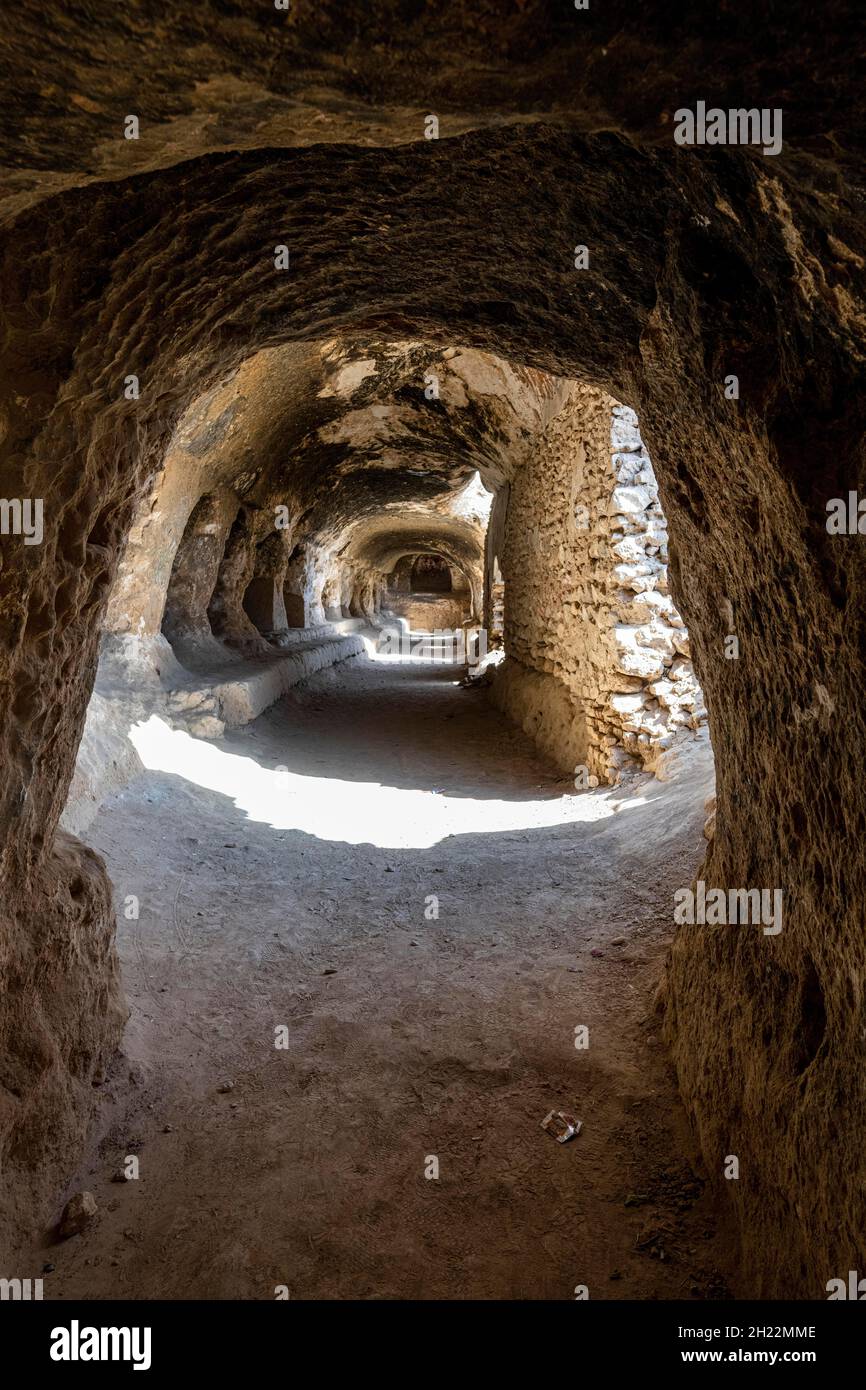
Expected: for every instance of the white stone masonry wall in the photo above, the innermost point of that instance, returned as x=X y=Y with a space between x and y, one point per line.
x=652 y=644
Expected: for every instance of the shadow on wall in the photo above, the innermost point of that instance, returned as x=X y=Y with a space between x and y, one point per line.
x=430 y=574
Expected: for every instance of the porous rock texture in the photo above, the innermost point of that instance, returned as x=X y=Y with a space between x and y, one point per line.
x=156 y=258
x=597 y=667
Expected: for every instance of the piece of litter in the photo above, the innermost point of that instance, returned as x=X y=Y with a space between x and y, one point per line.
x=561 y=1125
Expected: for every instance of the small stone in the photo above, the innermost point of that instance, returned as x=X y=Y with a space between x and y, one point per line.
x=225 y=1087
x=79 y=1213
x=632 y=499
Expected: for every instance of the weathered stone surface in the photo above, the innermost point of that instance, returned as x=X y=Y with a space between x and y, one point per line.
x=564 y=572
x=62 y=1015
x=79 y=1213
x=155 y=258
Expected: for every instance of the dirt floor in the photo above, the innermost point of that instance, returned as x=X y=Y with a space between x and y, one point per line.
x=283 y=877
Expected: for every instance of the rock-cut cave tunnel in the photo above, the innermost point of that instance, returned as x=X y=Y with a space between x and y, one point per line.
x=432 y=640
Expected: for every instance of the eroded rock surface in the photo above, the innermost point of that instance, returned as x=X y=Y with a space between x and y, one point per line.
x=304 y=388
x=597 y=666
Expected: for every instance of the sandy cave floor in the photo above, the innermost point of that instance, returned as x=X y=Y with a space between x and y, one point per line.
x=407 y=1036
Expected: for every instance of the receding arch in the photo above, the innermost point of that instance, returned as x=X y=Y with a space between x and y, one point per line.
x=653 y=325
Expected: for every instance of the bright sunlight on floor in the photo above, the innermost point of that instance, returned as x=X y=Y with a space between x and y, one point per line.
x=351 y=812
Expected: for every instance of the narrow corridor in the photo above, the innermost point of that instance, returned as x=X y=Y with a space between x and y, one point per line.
x=407 y=1035
x=540 y=328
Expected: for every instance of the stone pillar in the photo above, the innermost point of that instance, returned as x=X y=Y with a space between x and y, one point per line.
x=196 y=567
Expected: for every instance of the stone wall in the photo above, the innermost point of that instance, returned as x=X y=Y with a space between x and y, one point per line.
x=429 y=612
x=597 y=667
x=144 y=256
